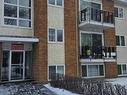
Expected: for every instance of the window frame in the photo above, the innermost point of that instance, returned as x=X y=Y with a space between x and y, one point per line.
x=121 y=66
x=120 y=41
x=118 y=15
x=17 y=18
x=87 y=32
x=56 y=4
x=56 y=66
x=87 y=73
x=56 y=41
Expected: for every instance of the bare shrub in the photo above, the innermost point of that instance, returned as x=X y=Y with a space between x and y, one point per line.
x=87 y=86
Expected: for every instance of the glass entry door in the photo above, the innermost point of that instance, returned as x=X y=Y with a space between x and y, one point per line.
x=17 y=65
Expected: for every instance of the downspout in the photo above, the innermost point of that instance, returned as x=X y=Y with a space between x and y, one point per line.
x=77 y=45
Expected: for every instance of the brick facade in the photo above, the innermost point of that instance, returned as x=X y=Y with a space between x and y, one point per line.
x=111 y=69
x=109 y=40
x=70 y=28
x=40 y=49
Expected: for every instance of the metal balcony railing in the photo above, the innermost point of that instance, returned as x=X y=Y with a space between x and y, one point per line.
x=92 y=14
x=98 y=52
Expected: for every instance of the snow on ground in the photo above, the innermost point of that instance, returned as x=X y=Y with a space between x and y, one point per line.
x=122 y=81
x=4 y=91
x=24 y=89
x=59 y=91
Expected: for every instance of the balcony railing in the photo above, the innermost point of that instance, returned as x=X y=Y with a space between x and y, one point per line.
x=98 y=52
x=108 y=17
x=97 y=16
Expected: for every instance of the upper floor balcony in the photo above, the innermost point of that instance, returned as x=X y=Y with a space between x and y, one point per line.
x=96 y=18
x=98 y=53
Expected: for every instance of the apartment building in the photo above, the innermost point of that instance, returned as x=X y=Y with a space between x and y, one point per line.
x=84 y=38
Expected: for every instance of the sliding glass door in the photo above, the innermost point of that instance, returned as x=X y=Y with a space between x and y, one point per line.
x=91 y=45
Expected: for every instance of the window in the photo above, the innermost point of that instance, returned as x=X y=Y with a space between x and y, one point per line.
x=5 y=66
x=55 y=69
x=118 y=12
x=52 y=2
x=55 y=35
x=122 y=69
x=92 y=70
x=28 y=65
x=59 y=35
x=52 y=35
x=91 y=45
x=56 y=2
x=17 y=13
x=120 y=40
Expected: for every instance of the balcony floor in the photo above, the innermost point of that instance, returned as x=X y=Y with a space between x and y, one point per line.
x=94 y=25
x=98 y=60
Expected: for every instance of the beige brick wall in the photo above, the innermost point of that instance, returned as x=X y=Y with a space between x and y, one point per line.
x=56 y=54
x=56 y=51
x=121 y=29
x=55 y=16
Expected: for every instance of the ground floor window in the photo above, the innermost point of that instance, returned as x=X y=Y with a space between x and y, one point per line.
x=92 y=70
x=55 y=69
x=122 y=69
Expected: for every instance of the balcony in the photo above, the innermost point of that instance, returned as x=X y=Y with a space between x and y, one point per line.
x=98 y=53
x=96 y=19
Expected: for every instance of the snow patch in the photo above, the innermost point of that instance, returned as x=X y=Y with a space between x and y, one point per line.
x=59 y=91
x=121 y=81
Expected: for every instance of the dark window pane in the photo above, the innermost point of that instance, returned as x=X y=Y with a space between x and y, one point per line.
x=10 y=21
x=116 y=12
x=122 y=41
x=60 y=35
x=52 y=35
x=101 y=68
x=124 y=69
x=17 y=58
x=60 y=70
x=24 y=13
x=84 y=71
x=93 y=70
x=97 y=44
x=24 y=23
x=52 y=2
x=95 y=6
x=52 y=72
x=26 y=3
x=119 y=70
x=10 y=11
x=59 y=2
x=28 y=65
x=16 y=72
x=11 y=1
x=83 y=4
x=86 y=39
x=5 y=66
x=117 y=40
x=121 y=12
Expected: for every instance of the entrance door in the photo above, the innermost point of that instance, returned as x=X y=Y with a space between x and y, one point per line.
x=16 y=67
